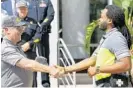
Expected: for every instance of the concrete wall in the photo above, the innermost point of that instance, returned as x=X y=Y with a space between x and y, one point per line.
x=75 y=17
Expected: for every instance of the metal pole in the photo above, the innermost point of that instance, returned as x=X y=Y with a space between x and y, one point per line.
x=110 y=2
x=53 y=42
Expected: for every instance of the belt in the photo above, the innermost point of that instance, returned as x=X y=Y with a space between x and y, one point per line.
x=102 y=81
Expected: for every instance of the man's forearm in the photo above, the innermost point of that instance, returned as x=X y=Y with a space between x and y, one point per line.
x=81 y=65
x=40 y=67
x=33 y=65
x=119 y=67
x=47 y=21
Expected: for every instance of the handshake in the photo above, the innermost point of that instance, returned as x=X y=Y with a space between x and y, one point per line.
x=54 y=71
x=57 y=71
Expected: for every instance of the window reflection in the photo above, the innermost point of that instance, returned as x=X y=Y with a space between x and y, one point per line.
x=95 y=9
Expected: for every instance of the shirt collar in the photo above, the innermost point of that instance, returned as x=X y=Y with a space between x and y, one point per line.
x=110 y=32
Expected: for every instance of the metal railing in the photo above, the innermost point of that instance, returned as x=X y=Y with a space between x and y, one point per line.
x=68 y=79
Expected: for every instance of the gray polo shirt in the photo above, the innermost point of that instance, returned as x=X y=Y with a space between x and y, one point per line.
x=115 y=42
x=11 y=75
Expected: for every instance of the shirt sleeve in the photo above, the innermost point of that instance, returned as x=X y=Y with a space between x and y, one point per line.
x=120 y=47
x=50 y=14
x=11 y=56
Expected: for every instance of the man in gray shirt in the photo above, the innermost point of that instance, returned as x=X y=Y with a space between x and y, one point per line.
x=16 y=69
x=112 y=59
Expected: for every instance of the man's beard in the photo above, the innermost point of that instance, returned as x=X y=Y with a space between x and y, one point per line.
x=103 y=25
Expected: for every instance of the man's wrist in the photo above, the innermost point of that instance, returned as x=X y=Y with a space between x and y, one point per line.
x=97 y=69
x=48 y=70
x=64 y=70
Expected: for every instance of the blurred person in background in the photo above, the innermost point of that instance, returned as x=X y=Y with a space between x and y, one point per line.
x=43 y=12
x=30 y=34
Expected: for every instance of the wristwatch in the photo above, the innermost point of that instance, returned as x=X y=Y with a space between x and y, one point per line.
x=97 y=69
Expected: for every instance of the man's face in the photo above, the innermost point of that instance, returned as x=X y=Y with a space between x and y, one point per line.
x=103 y=21
x=14 y=33
x=22 y=11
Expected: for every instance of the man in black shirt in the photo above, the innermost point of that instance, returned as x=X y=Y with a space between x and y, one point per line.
x=43 y=12
x=30 y=35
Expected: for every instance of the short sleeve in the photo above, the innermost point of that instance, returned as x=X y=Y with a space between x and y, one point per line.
x=120 y=47
x=11 y=55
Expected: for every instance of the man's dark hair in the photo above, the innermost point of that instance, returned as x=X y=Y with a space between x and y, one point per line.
x=118 y=18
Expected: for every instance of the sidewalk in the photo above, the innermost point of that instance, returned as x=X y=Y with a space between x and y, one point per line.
x=77 y=86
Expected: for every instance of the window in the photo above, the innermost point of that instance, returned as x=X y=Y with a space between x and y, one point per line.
x=95 y=8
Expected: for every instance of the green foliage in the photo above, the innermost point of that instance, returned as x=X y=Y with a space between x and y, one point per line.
x=123 y=3
x=118 y=2
x=126 y=4
x=89 y=31
x=128 y=19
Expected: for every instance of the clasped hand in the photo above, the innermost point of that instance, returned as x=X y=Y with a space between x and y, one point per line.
x=56 y=71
